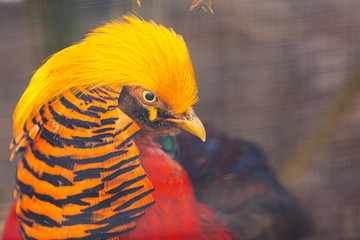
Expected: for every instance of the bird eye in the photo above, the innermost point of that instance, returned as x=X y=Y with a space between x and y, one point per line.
x=148 y=96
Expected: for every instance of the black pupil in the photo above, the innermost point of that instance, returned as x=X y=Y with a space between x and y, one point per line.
x=149 y=96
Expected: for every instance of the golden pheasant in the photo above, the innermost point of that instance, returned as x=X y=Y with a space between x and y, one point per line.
x=81 y=174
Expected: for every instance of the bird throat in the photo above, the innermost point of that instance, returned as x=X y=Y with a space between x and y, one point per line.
x=80 y=176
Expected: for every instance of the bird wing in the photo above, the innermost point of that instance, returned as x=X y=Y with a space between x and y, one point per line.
x=79 y=176
x=233 y=178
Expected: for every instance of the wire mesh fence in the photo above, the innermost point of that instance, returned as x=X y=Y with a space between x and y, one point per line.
x=282 y=73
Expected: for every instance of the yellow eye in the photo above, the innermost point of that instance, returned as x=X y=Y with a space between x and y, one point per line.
x=148 y=96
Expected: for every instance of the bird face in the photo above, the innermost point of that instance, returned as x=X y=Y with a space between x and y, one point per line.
x=153 y=114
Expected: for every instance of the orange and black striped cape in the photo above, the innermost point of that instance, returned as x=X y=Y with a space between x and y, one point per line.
x=79 y=176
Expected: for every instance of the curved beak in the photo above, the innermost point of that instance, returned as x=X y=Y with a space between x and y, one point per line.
x=191 y=123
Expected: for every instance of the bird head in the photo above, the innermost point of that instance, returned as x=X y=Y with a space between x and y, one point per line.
x=148 y=63
x=154 y=114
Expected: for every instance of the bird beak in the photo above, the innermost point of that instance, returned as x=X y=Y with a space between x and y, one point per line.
x=191 y=123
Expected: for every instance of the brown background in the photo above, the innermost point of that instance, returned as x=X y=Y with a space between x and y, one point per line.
x=282 y=73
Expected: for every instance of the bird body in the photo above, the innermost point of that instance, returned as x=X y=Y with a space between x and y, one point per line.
x=176 y=213
x=91 y=167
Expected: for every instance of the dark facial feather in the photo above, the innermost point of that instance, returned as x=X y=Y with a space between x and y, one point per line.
x=130 y=104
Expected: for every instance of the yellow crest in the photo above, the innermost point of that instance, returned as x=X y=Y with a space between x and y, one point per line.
x=125 y=52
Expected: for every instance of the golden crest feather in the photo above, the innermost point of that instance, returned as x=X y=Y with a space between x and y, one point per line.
x=125 y=52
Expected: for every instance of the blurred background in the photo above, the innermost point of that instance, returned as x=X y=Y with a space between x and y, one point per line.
x=282 y=73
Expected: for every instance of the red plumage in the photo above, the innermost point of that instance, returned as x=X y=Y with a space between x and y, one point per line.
x=11 y=228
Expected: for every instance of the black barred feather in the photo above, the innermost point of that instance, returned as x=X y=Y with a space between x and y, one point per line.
x=80 y=175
